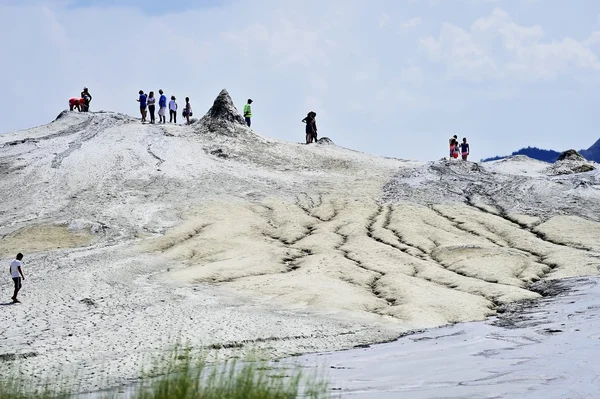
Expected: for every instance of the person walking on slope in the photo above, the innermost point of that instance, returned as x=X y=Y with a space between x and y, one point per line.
x=143 y=100
x=187 y=112
x=464 y=149
x=248 y=112
x=16 y=273
x=311 y=127
x=162 y=107
x=172 y=110
x=151 y=106
x=87 y=99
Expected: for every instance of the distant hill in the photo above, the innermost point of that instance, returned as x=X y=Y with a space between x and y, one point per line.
x=531 y=152
x=591 y=154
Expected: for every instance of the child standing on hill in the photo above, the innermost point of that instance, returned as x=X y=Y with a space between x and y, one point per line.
x=172 y=110
x=464 y=149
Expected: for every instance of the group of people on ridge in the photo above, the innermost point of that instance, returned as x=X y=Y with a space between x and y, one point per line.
x=457 y=148
x=148 y=103
x=82 y=104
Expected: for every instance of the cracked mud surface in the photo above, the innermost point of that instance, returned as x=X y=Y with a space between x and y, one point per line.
x=285 y=247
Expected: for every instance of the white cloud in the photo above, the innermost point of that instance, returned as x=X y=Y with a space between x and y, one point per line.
x=384 y=20
x=473 y=54
x=412 y=23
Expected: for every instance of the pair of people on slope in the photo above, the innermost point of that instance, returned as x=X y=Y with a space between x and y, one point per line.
x=82 y=104
x=456 y=148
x=311 y=127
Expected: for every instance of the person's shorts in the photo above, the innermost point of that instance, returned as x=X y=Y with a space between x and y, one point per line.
x=162 y=111
x=142 y=108
x=17 y=281
x=464 y=154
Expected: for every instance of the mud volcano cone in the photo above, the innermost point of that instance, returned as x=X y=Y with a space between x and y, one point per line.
x=223 y=114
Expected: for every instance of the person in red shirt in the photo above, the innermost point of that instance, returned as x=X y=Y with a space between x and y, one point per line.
x=76 y=103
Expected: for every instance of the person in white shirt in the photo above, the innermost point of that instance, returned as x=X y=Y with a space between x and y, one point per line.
x=17 y=274
x=172 y=110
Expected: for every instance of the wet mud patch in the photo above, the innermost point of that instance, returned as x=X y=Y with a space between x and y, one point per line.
x=531 y=313
x=44 y=237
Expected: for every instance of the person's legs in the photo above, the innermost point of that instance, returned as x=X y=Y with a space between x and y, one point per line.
x=70 y=107
x=17 y=282
x=142 y=111
x=151 y=109
x=187 y=118
x=248 y=121
x=464 y=157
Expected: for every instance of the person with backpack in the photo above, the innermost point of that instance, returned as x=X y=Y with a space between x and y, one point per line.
x=311 y=127
x=16 y=273
x=187 y=112
x=172 y=110
x=151 y=105
x=143 y=100
x=464 y=148
x=162 y=107
x=248 y=112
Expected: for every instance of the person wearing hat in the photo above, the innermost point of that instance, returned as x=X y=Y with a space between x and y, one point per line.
x=162 y=107
x=248 y=112
x=87 y=98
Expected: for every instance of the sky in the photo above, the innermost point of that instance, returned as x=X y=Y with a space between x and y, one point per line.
x=389 y=77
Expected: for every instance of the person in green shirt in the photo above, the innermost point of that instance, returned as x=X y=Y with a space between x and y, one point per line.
x=248 y=112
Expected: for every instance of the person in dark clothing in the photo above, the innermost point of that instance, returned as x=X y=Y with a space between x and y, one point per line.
x=87 y=98
x=143 y=100
x=187 y=112
x=172 y=110
x=311 y=127
x=151 y=106
x=464 y=149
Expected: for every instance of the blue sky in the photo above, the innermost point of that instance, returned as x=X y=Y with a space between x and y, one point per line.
x=389 y=77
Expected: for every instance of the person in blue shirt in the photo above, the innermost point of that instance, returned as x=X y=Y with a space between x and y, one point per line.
x=162 y=107
x=143 y=100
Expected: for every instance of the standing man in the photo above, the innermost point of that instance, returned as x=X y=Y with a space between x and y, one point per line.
x=248 y=112
x=17 y=274
x=87 y=97
x=162 y=107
